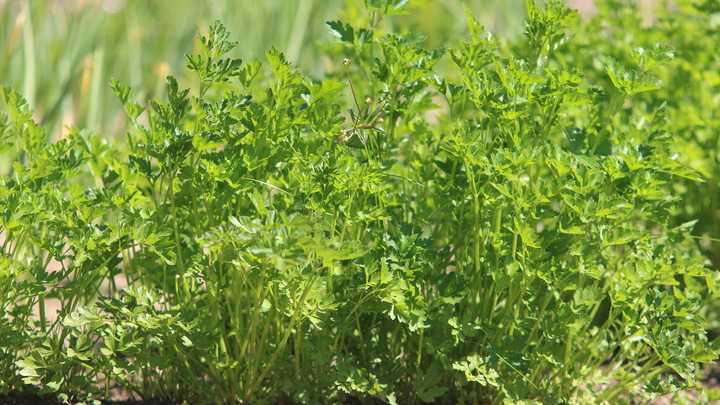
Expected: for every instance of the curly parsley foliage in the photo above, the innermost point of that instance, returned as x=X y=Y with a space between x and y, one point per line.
x=506 y=232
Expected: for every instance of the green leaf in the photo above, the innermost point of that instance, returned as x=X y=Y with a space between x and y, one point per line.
x=325 y=92
x=186 y=341
x=53 y=385
x=249 y=72
x=630 y=81
x=576 y=138
x=132 y=108
x=425 y=386
x=476 y=29
x=658 y=55
x=344 y=32
x=216 y=44
x=587 y=296
x=475 y=370
x=528 y=235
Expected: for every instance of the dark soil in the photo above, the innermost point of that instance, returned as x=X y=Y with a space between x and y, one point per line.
x=32 y=399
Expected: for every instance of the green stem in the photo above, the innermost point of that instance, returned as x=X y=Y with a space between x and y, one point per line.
x=420 y=348
x=256 y=314
x=283 y=342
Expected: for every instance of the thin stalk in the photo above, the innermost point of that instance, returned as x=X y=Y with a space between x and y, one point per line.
x=283 y=342
x=352 y=89
x=591 y=339
x=362 y=340
x=179 y=262
x=546 y=300
x=262 y=343
x=612 y=393
x=297 y=343
x=420 y=348
x=256 y=314
x=360 y=302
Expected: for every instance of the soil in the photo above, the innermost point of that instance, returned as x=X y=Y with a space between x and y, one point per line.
x=32 y=399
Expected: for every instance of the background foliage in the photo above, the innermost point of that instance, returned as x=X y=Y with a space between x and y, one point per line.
x=61 y=54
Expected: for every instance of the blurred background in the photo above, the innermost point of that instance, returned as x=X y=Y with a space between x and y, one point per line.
x=61 y=54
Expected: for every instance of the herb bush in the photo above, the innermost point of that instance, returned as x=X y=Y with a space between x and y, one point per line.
x=504 y=233
x=688 y=32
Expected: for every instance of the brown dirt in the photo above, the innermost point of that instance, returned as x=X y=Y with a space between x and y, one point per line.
x=32 y=399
